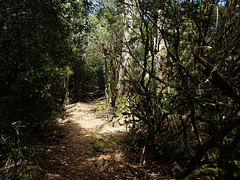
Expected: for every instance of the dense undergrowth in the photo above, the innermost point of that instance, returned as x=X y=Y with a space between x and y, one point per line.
x=169 y=71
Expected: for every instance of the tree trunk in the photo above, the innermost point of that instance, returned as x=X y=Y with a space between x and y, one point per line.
x=209 y=143
x=66 y=89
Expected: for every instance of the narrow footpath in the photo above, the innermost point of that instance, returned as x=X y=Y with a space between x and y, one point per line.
x=85 y=147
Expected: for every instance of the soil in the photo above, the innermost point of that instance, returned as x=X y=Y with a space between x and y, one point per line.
x=84 y=147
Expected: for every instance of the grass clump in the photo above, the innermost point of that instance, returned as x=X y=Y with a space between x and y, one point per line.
x=97 y=146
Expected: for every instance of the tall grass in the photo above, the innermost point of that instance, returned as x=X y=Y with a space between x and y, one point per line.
x=12 y=155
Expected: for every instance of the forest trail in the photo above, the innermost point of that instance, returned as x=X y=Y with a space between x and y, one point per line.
x=90 y=117
x=85 y=148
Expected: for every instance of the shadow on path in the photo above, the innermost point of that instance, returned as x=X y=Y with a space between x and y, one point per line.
x=70 y=154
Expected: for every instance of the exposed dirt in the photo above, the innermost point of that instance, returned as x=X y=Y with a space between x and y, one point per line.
x=84 y=147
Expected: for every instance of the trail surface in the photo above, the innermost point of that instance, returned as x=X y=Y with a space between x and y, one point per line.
x=84 y=147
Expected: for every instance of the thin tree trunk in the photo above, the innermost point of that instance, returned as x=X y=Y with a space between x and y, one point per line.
x=66 y=89
x=144 y=151
x=217 y=14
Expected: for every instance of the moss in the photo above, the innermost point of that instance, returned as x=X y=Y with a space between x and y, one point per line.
x=121 y=104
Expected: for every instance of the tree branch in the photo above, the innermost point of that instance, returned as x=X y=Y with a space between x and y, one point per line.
x=219 y=81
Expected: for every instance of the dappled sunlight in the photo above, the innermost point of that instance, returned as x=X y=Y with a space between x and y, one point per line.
x=87 y=152
x=86 y=115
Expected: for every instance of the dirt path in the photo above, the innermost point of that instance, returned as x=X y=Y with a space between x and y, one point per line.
x=82 y=148
x=90 y=117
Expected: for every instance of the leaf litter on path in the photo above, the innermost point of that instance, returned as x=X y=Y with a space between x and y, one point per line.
x=90 y=149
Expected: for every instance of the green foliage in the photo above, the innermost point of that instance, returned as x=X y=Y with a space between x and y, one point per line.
x=30 y=61
x=94 y=78
x=42 y=43
x=175 y=97
x=121 y=104
x=207 y=173
x=29 y=173
x=175 y=65
x=13 y=148
x=221 y=165
x=39 y=46
x=177 y=168
x=228 y=164
x=97 y=146
x=105 y=47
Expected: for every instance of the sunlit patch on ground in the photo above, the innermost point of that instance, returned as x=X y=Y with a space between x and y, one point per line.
x=91 y=149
